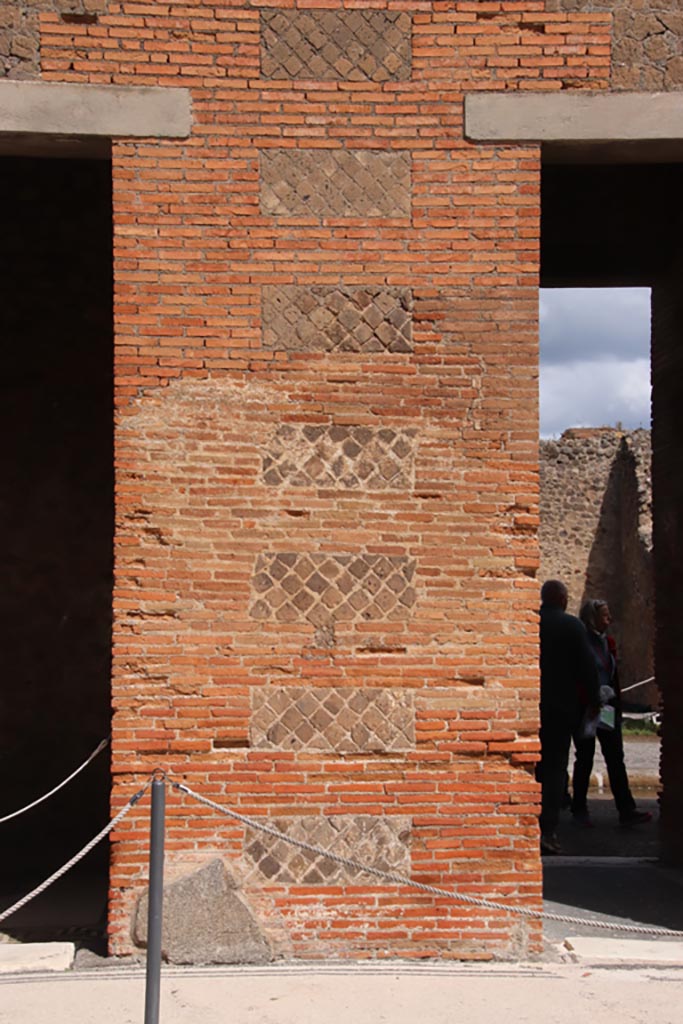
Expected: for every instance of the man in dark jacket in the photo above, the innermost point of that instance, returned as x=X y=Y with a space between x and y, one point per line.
x=569 y=685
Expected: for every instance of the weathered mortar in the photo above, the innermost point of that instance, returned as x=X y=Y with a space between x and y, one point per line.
x=20 y=31
x=389 y=304
x=315 y=383
x=596 y=534
x=647 y=41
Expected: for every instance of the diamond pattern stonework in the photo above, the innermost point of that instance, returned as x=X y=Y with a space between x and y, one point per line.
x=324 y=589
x=340 y=456
x=342 y=719
x=326 y=183
x=354 y=46
x=324 y=318
x=379 y=842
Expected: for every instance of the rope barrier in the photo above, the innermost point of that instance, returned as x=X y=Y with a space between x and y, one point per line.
x=641 y=682
x=431 y=889
x=393 y=877
x=15 y=814
x=78 y=856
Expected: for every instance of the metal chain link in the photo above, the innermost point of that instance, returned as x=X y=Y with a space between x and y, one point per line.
x=15 y=814
x=431 y=889
x=78 y=856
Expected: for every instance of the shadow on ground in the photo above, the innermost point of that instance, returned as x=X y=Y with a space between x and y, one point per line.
x=610 y=873
x=607 y=838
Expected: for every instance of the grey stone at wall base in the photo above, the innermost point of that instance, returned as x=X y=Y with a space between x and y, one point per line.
x=205 y=921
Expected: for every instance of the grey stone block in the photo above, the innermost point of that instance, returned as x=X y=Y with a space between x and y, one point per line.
x=39 y=108
x=36 y=956
x=205 y=921
x=564 y=117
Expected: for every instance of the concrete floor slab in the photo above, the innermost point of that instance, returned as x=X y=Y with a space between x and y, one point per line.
x=601 y=951
x=23 y=957
x=398 y=993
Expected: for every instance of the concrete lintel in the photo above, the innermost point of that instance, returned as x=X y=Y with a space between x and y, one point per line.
x=94 y=111
x=582 y=118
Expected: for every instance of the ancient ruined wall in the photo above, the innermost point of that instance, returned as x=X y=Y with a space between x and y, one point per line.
x=326 y=459
x=574 y=473
x=647 y=40
x=596 y=534
x=20 y=31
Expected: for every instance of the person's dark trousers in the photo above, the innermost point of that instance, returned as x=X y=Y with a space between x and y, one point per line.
x=612 y=746
x=556 y=737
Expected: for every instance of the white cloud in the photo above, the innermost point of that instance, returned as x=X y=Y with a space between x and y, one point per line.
x=595 y=358
x=588 y=323
x=597 y=393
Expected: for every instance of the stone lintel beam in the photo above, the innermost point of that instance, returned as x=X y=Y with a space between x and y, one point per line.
x=633 y=123
x=38 y=109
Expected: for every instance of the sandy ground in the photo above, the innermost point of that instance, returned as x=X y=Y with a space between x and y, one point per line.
x=433 y=994
x=609 y=874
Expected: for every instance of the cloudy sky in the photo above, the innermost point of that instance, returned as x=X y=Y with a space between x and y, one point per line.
x=595 y=358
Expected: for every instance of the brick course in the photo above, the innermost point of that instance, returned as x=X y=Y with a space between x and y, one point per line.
x=20 y=31
x=647 y=41
x=199 y=396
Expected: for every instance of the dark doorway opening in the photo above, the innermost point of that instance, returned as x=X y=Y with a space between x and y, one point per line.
x=618 y=224
x=56 y=537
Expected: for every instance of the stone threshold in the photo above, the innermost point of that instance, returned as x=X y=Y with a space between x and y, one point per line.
x=25 y=957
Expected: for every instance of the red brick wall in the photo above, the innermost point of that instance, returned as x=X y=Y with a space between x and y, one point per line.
x=200 y=398
x=646 y=41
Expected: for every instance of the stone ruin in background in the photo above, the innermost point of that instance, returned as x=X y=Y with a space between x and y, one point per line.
x=596 y=535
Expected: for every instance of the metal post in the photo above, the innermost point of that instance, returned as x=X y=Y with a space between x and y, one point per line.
x=155 y=901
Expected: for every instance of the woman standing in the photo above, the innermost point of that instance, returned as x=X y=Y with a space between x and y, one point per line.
x=595 y=616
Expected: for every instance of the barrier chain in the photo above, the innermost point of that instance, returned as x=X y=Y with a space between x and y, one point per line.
x=641 y=682
x=423 y=887
x=389 y=876
x=78 y=856
x=15 y=814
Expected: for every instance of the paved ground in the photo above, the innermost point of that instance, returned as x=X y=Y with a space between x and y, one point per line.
x=608 y=874
x=396 y=994
x=611 y=873
x=607 y=838
x=642 y=762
